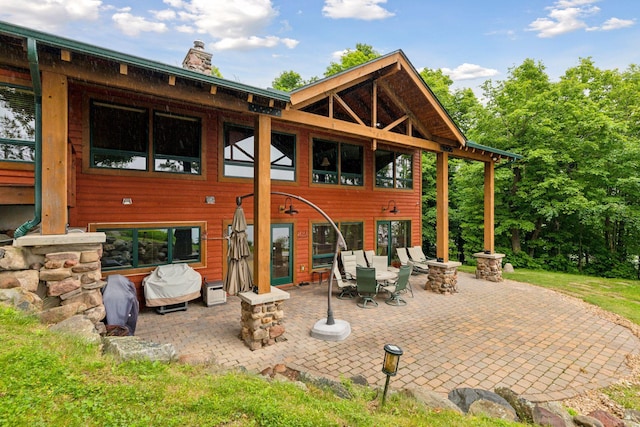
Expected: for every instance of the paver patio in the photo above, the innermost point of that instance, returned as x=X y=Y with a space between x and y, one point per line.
x=541 y=344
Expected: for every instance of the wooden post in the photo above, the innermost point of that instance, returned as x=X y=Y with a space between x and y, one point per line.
x=442 y=206
x=489 y=206
x=54 y=153
x=262 y=205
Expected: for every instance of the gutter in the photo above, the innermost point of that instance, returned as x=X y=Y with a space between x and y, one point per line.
x=34 y=68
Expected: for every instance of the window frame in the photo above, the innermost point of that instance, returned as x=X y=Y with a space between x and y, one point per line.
x=337 y=175
x=227 y=124
x=395 y=179
x=136 y=267
x=21 y=142
x=332 y=243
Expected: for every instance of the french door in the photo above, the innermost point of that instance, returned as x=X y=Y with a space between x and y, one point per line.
x=392 y=235
x=281 y=254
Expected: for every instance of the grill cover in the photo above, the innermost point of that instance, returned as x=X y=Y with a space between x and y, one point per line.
x=171 y=284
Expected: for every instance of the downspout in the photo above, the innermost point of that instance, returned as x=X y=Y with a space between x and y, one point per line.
x=32 y=53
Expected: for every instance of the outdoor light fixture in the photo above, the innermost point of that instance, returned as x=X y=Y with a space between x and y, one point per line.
x=325 y=162
x=392 y=355
x=291 y=210
x=393 y=210
x=127 y=201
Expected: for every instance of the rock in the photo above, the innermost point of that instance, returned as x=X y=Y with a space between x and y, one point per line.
x=54 y=275
x=359 y=380
x=508 y=268
x=8 y=282
x=89 y=256
x=134 y=348
x=523 y=407
x=21 y=299
x=92 y=298
x=28 y=279
x=431 y=399
x=58 y=314
x=558 y=409
x=62 y=256
x=629 y=423
x=96 y=314
x=586 y=421
x=337 y=388
x=492 y=410
x=631 y=415
x=606 y=418
x=61 y=287
x=464 y=397
x=13 y=258
x=545 y=417
x=78 y=326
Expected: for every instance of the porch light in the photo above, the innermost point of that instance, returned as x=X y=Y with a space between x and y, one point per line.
x=127 y=201
x=290 y=210
x=393 y=210
x=392 y=355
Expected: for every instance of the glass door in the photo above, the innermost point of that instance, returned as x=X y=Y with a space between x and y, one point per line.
x=281 y=254
x=392 y=235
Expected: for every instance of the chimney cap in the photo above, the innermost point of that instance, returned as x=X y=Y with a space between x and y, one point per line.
x=198 y=44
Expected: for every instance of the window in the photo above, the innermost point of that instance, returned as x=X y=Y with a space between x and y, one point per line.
x=392 y=235
x=393 y=170
x=136 y=247
x=17 y=124
x=324 y=241
x=176 y=139
x=331 y=168
x=239 y=154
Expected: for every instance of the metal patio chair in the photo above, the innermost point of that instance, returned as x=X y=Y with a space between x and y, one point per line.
x=367 y=286
x=398 y=287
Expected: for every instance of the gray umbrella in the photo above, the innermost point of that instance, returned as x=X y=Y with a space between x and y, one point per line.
x=238 y=272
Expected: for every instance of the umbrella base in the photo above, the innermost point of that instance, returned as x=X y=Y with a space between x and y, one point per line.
x=336 y=332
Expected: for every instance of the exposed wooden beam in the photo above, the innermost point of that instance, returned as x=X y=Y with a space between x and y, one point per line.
x=65 y=55
x=489 y=206
x=124 y=69
x=348 y=109
x=17 y=195
x=172 y=80
x=262 y=203
x=401 y=105
x=396 y=122
x=250 y=97
x=213 y=89
x=442 y=206
x=374 y=104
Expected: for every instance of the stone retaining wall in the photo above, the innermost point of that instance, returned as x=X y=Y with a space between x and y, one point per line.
x=54 y=281
x=262 y=323
x=489 y=266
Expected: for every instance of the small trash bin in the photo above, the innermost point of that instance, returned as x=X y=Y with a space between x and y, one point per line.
x=213 y=293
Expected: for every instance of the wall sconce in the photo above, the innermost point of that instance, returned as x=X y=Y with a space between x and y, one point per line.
x=393 y=210
x=325 y=162
x=210 y=200
x=127 y=201
x=392 y=355
x=290 y=210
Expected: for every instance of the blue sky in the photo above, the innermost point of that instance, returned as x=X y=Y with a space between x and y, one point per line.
x=253 y=41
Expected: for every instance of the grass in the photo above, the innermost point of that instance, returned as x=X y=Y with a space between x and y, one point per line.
x=48 y=379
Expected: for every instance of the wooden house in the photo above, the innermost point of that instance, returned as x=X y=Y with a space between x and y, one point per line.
x=155 y=157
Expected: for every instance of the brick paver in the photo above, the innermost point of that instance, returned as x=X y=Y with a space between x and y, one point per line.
x=543 y=345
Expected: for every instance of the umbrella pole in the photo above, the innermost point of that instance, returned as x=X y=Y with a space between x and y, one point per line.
x=330 y=319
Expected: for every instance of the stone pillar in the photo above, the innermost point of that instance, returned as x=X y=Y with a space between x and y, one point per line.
x=489 y=266
x=262 y=317
x=443 y=277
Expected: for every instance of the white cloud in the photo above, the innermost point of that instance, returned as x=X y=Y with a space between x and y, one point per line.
x=613 y=24
x=164 y=15
x=48 y=15
x=133 y=25
x=253 y=42
x=367 y=10
x=566 y=16
x=469 y=72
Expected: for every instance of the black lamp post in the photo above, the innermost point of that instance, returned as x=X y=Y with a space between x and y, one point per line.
x=392 y=355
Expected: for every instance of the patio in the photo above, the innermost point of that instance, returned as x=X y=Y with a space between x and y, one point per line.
x=539 y=343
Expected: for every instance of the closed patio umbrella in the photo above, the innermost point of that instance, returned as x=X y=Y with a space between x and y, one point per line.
x=238 y=273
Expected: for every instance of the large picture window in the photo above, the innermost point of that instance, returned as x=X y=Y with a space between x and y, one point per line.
x=17 y=124
x=324 y=241
x=393 y=170
x=138 y=247
x=120 y=139
x=337 y=163
x=239 y=153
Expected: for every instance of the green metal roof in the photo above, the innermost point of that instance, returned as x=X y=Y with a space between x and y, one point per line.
x=502 y=153
x=87 y=49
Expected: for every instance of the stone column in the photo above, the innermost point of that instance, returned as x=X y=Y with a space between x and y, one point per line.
x=443 y=277
x=489 y=266
x=262 y=317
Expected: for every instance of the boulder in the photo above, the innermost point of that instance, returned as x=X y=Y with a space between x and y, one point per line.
x=135 y=348
x=508 y=268
x=606 y=418
x=522 y=406
x=586 y=421
x=483 y=407
x=21 y=299
x=13 y=258
x=545 y=417
x=78 y=326
x=464 y=397
x=431 y=399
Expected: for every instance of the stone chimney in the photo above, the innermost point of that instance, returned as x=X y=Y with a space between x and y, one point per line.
x=197 y=59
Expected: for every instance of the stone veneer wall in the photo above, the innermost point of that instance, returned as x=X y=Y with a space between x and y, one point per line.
x=262 y=323
x=442 y=277
x=489 y=267
x=54 y=281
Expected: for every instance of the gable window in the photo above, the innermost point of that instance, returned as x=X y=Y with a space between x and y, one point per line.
x=337 y=163
x=393 y=170
x=150 y=245
x=239 y=153
x=120 y=139
x=324 y=241
x=17 y=124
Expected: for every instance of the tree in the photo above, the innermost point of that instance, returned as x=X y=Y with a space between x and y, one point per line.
x=350 y=58
x=288 y=81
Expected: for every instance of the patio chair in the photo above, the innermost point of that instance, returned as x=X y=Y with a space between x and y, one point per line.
x=366 y=285
x=346 y=286
x=369 y=256
x=379 y=262
x=416 y=254
x=343 y=254
x=360 y=258
x=418 y=267
x=349 y=265
x=399 y=286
